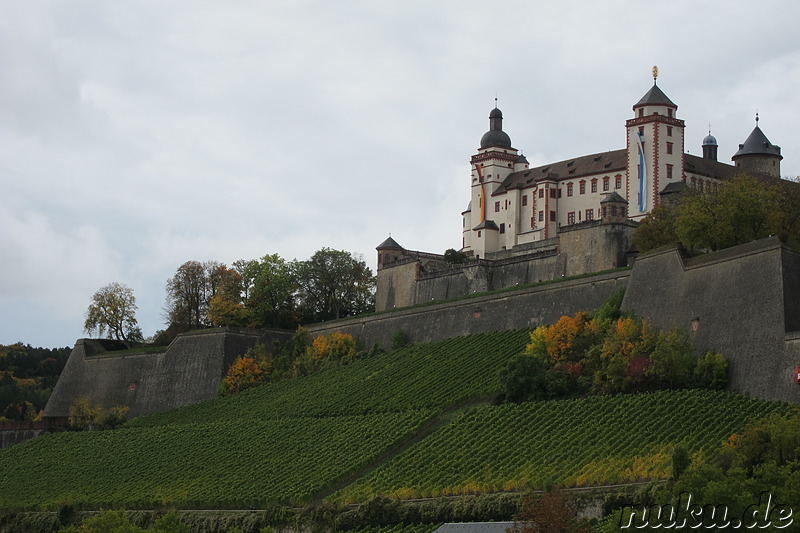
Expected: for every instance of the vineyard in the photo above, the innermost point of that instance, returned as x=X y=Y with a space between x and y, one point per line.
x=231 y=463
x=592 y=441
x=304 y=438
x=422 y=376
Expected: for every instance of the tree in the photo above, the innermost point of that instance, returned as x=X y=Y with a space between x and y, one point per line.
x=190 y=290
x=271 y=297
x=334 y=284
x=657 y=229
x=113 y=310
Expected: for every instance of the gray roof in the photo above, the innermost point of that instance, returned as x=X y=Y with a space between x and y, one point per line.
x=709 y=140
x=389 y=244
x=613 y=197
x=475 y=527
x=674 y=187
x=757 y=144
x=487 y=224
x=655 y=96
x=587 y=165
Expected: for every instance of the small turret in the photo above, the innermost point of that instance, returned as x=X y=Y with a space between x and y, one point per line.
x=389 y=252
x=758 y=154
x=614 y=208
x=710 y=146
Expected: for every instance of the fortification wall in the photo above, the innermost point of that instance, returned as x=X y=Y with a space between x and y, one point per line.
x=521 y=308
x=738 y=301
x=595 y=248
x=188 y=371
x=744 y=301
x=592 y=247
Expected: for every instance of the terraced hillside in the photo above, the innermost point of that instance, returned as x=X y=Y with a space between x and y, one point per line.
x=386 y=425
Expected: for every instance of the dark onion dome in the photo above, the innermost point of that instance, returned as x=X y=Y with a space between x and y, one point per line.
x=758 y=144
x=495 y=136
x=655 y=96
x=389 y=244
x=710 y=140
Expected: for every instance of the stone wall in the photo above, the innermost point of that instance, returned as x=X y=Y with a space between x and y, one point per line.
x=580 y=249
x=523 y=308
x=741 y=302
x=188 y=371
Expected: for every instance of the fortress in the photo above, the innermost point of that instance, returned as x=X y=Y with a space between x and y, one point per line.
x=567 y=225
x=524 y=225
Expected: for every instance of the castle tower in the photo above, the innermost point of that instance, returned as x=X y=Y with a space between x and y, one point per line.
x=655 y=149
x=389 y=252
x=614 y=209
x=710 y=146
x=758 y=154
x=495 y=160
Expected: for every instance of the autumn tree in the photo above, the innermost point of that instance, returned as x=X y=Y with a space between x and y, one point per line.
x=113 y=311
x=334 y=284
x=248 y=370
x=190 y=290
x=226 y=307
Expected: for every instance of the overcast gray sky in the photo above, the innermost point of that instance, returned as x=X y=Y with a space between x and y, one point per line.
x=137 y=135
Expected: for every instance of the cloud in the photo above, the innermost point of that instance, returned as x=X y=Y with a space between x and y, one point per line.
x=144 y=135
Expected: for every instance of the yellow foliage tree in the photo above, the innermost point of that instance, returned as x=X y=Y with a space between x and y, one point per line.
x=334 y=346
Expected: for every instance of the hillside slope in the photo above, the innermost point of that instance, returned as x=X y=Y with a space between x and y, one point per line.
x=292 y=440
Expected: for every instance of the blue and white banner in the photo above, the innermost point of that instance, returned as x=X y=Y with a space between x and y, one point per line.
x=642 y=175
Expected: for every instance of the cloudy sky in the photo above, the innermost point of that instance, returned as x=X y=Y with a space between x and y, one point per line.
x=135 y=136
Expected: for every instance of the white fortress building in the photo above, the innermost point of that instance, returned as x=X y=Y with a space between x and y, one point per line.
x=512 y=204
x=525 y=225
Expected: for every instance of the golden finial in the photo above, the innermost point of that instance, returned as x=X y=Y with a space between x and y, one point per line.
x=655 y=73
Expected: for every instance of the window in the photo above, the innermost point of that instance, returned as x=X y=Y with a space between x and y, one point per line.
x=669 y=148
x=583 y=187
x=594 y=185
x=669 y=112
x=590 y=214
x=552 y=216
x=541 y=216
x=502 y=228
x=479 y=234
x=533 y=223
x=618 y=182
x=571 y=217
x=524 y=200
x=569 y=189
x=669 y=131
x=497 y=207
x=553 y=193
x=541 y=193
x=641 y=112
x=606 y=183
x=669 y=172
x=641 y=130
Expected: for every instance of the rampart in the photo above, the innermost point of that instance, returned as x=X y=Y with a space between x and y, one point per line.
x=743 y=302
x=188 y=371
x=410 y=278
